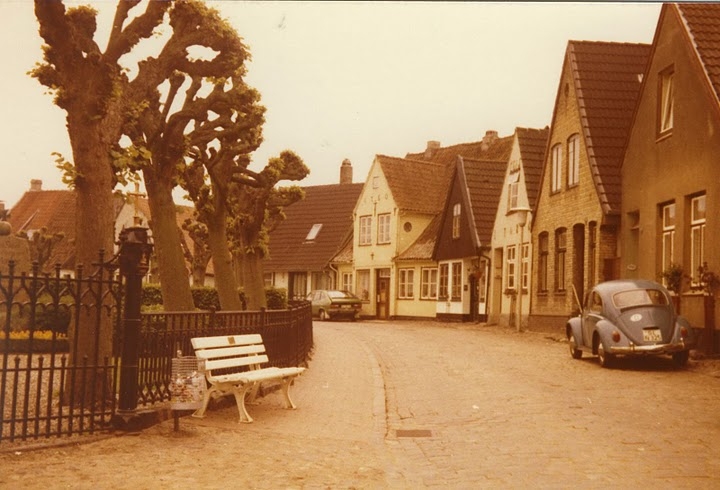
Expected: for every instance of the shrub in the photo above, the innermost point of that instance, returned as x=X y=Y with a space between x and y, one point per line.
x=276 y=298
x=205 y=298
x=151 y=295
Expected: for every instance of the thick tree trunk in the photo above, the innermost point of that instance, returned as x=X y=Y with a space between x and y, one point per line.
x=174 y=278
x=253 y=281
x=222 y=261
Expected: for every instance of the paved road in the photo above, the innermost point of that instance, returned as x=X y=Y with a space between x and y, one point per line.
x=423 y=405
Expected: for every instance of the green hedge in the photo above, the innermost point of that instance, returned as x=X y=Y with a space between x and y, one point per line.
x=206 y=298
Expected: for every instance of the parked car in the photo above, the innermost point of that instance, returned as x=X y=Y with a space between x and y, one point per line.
x=329 y=304
x=629 y=318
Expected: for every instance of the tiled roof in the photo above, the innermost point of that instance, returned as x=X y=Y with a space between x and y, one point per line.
x=494 y=149
x=328 y=205
x=53 y=210
x=416 y=185
x=484 y=180
x=702 y=21
x=532 y=143
x=422 y=248
x=607 y=84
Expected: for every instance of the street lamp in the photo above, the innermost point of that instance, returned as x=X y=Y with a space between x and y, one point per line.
x=522 y=214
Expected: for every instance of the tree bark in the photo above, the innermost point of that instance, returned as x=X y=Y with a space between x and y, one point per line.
x=253 y=281
x=222 y=261
x=174 y=278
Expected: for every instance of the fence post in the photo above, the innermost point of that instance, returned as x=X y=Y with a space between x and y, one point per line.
x=135 y=249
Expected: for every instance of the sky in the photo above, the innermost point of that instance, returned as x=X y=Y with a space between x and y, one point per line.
x=346 y=79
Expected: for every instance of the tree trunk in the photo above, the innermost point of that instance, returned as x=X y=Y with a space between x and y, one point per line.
x=174 y=280
x=253 y=281
x=222 y=261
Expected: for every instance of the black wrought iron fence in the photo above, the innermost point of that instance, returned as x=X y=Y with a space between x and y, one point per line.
x=51 y=385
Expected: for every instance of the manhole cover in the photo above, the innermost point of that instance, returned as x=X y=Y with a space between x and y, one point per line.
x=413 y=433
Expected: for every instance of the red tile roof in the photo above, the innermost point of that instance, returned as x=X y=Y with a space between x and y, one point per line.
x=415 y=185
x=328 y=205
x=422 y=248
x=702 y=21
x=532 y=143
x=607 y=84
x=484 y=180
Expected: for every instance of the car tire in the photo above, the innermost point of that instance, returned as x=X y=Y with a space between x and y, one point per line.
x=606 y=359
x=680 y=359
x=575 y=353
x=324 y=316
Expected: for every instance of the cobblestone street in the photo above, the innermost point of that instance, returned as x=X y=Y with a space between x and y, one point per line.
x=422 y=404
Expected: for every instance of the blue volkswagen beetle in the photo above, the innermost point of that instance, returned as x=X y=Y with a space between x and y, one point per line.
x=629 y=318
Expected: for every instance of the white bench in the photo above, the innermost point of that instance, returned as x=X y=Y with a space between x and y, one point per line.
x=230 y=354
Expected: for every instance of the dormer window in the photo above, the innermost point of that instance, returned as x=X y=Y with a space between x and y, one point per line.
x=456 y=221
x=313 y=233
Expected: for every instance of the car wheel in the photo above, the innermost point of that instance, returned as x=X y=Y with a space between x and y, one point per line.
x=681 y=358
x=324 y=316
x=574 y=351
x=606 y=359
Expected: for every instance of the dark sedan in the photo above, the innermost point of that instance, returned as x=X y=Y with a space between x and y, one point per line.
x=629 y=318
x=330 y=304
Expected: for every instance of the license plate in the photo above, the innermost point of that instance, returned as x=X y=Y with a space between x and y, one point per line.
x=346 y=307
x=652 y=335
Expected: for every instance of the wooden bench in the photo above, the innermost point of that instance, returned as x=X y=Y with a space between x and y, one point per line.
x=238 y=358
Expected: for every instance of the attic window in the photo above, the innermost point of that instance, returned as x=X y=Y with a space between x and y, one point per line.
x=313 y=233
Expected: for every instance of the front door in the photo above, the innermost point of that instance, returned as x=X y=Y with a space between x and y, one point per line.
x=382 y=293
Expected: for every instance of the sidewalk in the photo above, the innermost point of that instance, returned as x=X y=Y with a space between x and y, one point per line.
x=334 y=439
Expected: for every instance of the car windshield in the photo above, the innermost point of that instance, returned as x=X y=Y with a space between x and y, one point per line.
x=340 y=294
x=639 y=297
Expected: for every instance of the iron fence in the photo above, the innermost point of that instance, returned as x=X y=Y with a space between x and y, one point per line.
x=51 y=385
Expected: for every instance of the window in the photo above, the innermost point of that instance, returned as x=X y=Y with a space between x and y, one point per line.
x=667 y=97
x=513 y=183
x=573 y=164
x=363 y=285
x=543 y=262
x=383 y=232
x=556 y=183
x=560 y=252
x=313 y=233
x=456 y=221
x=510 y=262
x=428 y=283
x=456 y=281
x=406 y=279
x=347 y=281
x=268 y=279
x=365 y=230
x=667 y=213
x=525 y=266
x=697 y=236
x=443 y=292
x=376 y=181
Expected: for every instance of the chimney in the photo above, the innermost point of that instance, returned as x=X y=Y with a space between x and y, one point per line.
x=35 y=185
x=432 y=147
x=346 y=173
x=489 y=138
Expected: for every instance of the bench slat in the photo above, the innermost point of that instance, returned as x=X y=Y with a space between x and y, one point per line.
x=232 y=362
x=225 y=341
x=230 y=351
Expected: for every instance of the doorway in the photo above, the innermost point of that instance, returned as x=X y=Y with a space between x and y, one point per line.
x=382 y=294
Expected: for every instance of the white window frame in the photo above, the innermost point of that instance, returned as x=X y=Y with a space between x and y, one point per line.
x=513 y=189
x=347 y=281
x=428 y=283
x=444 y=281
x=363 y=284
x=457 y=210
x=556 y=183
x=697 y=236
x=510 y=266
x=456 y=283
x=667 y=212
x=573 y=164
x=525 y=266
x=365 y=230
x=667 y=100
x=560 y=259
x=406 y=283
x=383 y=231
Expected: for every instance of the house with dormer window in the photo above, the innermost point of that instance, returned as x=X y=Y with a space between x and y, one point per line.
x=315 y=229
x=576 y=220
x=670 y=176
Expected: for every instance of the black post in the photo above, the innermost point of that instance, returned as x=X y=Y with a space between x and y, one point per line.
x=134 y=262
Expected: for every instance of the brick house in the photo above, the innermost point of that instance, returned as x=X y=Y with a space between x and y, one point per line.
x=315 y=229
x=670 y=176
x=509 y=242
x=577 y=215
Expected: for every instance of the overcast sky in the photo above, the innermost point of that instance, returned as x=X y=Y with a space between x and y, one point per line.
x=348 y=79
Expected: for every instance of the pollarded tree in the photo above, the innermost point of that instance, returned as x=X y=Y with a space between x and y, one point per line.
x=94 y=89
x=258 y=206
x=199 y=254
